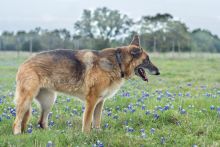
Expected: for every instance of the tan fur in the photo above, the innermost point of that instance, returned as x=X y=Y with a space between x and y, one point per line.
x=40 y=76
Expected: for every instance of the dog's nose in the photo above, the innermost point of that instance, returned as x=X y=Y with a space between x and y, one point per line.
x=158 y=73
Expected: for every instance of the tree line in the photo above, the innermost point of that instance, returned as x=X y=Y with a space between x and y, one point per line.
x=104 y=28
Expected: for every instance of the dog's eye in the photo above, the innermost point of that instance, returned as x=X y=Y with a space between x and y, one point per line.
x=147 y=61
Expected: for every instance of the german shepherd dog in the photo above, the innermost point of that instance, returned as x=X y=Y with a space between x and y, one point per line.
x=89 y=75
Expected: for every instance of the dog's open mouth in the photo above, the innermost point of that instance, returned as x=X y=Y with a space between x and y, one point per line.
x=142 y=73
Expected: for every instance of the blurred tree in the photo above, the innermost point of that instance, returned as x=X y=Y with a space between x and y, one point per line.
x=84 y=26
x=8 y=41
x=178 y=34
x=110 y=23
x=205 y=41
x=152 y=26
x=102 y=25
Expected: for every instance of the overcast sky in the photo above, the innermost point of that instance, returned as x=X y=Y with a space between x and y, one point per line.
x=49 y=14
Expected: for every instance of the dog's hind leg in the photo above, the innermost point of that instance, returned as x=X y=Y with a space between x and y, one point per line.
x=25 y=119
x=46 y=99
x=97 y=115
x=25 y=91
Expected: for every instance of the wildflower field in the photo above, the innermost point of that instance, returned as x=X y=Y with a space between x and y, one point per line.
x=181 y=107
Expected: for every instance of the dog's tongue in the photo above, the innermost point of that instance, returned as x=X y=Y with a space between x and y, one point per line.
x=142 y=74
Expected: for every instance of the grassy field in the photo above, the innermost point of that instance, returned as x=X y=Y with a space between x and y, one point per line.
x=181 y=107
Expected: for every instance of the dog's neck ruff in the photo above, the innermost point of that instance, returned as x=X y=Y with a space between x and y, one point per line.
x=119 y=61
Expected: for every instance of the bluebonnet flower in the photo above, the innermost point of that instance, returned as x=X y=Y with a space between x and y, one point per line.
x=50 y=115
x=117 y=108
x=130 y=106
x=159 y=108
x=189 y=84
x=212 y=107
x=207 y=94
x=168 y=94
x=29 y=130
x=75 y=111
x=13 y=112
x=125 y=110
x=68 y=123
x=147 y=112
x=218 y=109
x=142 y=130
x=83 y=109
x=152 y=130
x=166 y=107
x=99 y=143
x=109 y=113
x=106 y=125
x=159 y=97
x=144 y=95
x=8 y=117
x=162 y=140
x=180 y=94
x=183 y=111
x=51 y=123
x=156 y=116
x=132 y=110
x=68 y=99
x=126 y=94
x=49 y=144
x=143 y=107
x=130 y=129
x=34 y=111
x=188 y=94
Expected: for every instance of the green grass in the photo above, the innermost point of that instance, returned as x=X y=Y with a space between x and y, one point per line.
x=195 y=76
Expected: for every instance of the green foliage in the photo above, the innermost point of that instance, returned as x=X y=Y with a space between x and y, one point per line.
x=203 y=40
x=35 y=43
x=104 y=28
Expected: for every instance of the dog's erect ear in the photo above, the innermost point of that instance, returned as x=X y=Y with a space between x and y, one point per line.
x=135 y=41
x=136 y=52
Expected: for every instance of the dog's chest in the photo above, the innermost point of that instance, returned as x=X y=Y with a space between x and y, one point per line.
x=112 y=89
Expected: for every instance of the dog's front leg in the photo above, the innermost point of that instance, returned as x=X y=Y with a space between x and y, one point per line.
x=88 y=113
x=97 y=115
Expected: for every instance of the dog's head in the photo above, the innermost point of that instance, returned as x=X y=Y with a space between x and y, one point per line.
x=137 y=60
